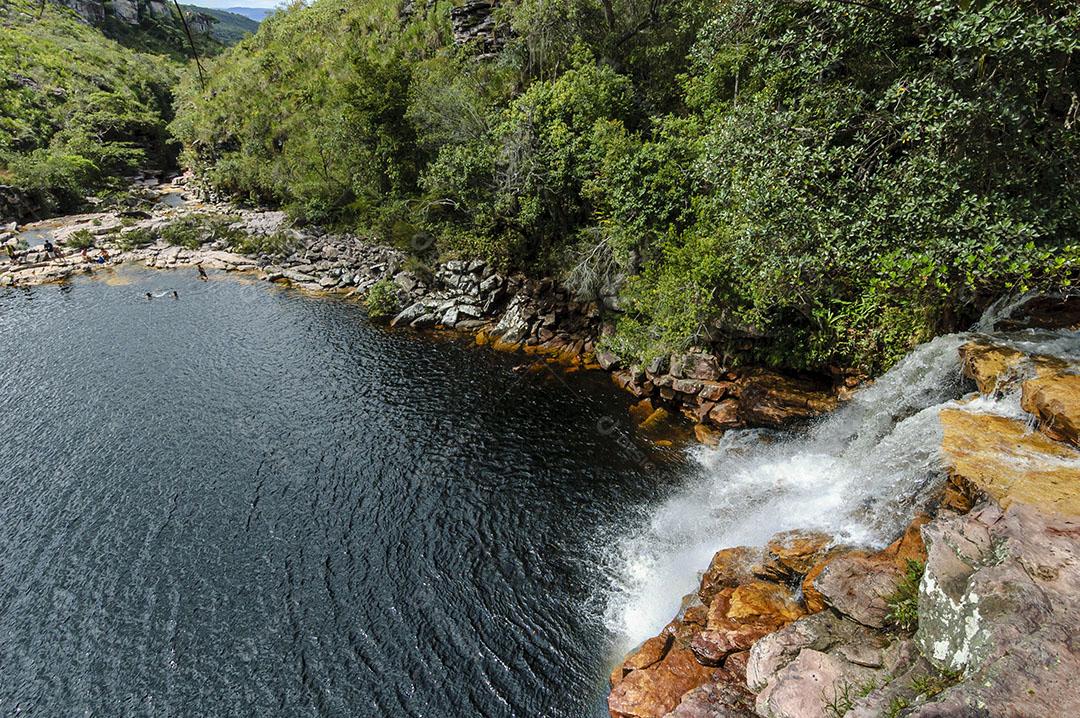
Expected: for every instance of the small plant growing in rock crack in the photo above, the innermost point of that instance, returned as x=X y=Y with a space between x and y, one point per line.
x=925 y=688
x=382 y=299
x=904 y=603
x=845 y=695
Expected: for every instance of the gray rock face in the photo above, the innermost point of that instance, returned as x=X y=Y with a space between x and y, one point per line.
x=91 y=11
x=126 y=11
x=1000 y=600
x=474 y=22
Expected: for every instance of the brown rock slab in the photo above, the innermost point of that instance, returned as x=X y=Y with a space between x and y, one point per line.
x=1003 y=459
x=768 y=399
x=711 y=647
x=1055 y=399
x=656 y=691
x=725 y=415
x=726 y=698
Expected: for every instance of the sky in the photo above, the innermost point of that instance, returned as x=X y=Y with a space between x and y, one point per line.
x=222 y=4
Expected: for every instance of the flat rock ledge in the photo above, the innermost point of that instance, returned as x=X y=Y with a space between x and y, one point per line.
x=805 y=628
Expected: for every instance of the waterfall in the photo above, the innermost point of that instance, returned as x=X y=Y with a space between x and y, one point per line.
x=858 y=474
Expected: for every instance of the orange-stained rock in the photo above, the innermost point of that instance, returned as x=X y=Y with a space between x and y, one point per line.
x=764 y=602
x=654 y=692
x=656 y=420
x=707 y=436
x=910 y=546
x=482 y=338
x=792 y=554
x=1055 y=399
x=642 y=410
x=992 y=367
x=647 y=654
x=1002 y=458
x=729 y=568
x=501 y=345
x=812 y=598
x=996 y=368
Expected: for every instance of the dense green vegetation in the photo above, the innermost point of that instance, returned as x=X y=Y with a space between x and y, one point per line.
x=796 y=181
x=78 y=112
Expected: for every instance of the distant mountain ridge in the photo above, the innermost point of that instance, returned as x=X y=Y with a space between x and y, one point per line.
x=230 y=27
x=258 y=14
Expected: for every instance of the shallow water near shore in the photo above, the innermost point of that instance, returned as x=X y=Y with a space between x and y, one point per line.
x=252 y=502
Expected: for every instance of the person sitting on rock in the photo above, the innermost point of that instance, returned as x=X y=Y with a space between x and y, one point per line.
x=48 y=247
x=104 y=256
x=85 y=255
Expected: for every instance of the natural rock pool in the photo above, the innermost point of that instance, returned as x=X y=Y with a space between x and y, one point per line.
x=251 y=502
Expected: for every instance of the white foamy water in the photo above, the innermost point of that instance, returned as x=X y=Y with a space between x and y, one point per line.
x=859 y=474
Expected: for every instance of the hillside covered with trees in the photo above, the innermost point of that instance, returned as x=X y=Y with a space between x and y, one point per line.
x=78 y=111
x=801 y=182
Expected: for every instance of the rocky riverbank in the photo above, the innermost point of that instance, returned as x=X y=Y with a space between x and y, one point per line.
x=536 y=317
x=967 y=612
x=970 y=612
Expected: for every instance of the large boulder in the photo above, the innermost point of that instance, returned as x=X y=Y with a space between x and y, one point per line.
x=859 y=585
x=1000 y=601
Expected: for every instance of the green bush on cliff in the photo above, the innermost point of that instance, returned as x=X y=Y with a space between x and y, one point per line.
x=798 y=182
x=77 y=111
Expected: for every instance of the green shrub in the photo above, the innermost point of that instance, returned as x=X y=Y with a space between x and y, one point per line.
x=382 y=299
x=134 y=239
x=800 y=183
x=81 y=239
x=904 y=603
x=194 y=230
x=275 y=244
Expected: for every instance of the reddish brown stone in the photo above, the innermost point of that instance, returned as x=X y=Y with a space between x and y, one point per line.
x=655 y=691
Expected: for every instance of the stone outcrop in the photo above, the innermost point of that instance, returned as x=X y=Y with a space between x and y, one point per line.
x=1000 y=601
x=1054 y=399
x=474 y=23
